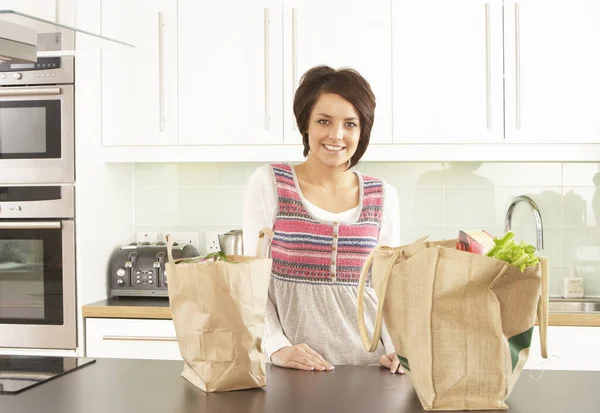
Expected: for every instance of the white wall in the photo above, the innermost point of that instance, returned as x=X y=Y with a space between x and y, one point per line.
x=104 y=196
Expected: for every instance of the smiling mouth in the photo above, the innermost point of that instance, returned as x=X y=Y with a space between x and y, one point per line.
x=334 y=148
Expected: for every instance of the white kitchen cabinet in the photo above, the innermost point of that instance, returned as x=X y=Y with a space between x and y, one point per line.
x=339 y=33
x=139 y=86
x=230 y=70
x=131 y=338
x=552 y=65
x=569 y=348
x=447 y=71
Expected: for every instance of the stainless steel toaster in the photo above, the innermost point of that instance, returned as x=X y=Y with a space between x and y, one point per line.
x=138 y=269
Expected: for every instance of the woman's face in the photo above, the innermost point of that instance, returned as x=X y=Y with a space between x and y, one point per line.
x=333 y=130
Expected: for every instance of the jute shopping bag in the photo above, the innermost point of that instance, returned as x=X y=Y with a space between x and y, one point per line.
x=461 y=323
x=218 y=309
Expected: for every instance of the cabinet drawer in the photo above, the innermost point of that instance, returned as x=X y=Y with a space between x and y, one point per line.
x=131 y=338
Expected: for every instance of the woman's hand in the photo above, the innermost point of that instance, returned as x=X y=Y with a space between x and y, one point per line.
x=391 y=362
x=300 y=357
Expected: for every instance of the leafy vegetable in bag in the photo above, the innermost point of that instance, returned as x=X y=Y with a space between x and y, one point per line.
x=521 y=255
x=211 y=257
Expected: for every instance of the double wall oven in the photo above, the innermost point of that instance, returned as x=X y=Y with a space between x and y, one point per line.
x=37 y=205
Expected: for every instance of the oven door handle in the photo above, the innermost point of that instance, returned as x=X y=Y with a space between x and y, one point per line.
x=30 y=91
x=30 y=225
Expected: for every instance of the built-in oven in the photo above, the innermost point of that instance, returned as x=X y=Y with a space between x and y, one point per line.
x=37 y=142
x=37 y=267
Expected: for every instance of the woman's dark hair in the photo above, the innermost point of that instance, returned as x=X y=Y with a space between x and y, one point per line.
x=347 y=83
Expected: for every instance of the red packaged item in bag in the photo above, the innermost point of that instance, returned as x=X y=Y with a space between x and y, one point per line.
x=477 y=242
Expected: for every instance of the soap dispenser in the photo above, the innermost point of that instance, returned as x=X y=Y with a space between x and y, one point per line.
x=572 y=285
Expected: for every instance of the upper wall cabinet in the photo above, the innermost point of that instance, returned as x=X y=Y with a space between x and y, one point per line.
x=139 y=86
x=448 y=72
x=339 y=33
x=230 y=70
x=447 y=63
x=552 y=71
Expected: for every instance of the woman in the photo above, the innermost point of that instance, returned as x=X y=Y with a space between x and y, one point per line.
x=326 y=219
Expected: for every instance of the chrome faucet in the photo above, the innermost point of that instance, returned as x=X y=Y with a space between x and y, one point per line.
x=536 y=214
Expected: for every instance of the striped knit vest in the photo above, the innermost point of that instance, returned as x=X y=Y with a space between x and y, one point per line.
x=307 y=250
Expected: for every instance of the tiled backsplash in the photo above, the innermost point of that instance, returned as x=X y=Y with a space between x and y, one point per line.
x=436 y=199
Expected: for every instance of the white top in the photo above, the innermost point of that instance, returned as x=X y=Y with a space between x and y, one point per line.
x=260 y=211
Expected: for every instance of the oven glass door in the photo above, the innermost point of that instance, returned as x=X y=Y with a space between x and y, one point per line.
x=31 y=273
x=30 y=129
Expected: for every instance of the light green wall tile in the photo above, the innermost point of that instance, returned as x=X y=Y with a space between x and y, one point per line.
x=406 y=175
x=174 y=174
x=235 y=174
x=471 y=207
x=581 y=174
x=196 y=206
x=581 y=206
x=421 y=206
x=156 y=205
x=408 y=235
x=196 y=174
x=230 y=201
x=517 y=173
x=155 y=174
x=581 y=244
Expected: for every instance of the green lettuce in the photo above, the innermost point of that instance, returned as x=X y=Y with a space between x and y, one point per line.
x=521 y=255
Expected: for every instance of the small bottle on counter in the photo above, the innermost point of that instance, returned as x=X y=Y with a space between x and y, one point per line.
x=572 y=285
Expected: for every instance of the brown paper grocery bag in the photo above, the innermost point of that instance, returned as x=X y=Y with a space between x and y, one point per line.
x=461 y=323
x=218 y=309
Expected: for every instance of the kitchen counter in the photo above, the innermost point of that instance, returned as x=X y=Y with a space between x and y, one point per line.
x=148 y=386
x=158 y=308
x=129 y=307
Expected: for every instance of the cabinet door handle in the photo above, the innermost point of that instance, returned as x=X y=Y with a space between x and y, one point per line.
x=488 y=85
x=517 y=66
x=267 y=89
x=161 y=73
x=138 y=338
x=294 y=57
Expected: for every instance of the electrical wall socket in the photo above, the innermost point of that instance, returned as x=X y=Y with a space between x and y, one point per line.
x=179 y=237
x=212 y=242
x=149 y=237
x=184 y=238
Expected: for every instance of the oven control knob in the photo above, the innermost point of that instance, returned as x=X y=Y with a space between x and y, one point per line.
x=18 y=75
x=18 y=208
x=120 y=282
x=121 y=272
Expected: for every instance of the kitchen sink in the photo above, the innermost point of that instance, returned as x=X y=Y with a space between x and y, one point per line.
x=574 y=306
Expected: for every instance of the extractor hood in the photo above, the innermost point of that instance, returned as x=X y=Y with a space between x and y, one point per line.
x=17 y=43
x=22 y=36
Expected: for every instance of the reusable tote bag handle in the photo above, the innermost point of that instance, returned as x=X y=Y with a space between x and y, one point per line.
x=262 y=250
x=542 y=309
x=371 y=344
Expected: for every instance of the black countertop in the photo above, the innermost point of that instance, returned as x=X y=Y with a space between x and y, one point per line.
x=149 y=386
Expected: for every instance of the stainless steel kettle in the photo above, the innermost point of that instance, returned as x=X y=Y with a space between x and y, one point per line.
x=232 y=242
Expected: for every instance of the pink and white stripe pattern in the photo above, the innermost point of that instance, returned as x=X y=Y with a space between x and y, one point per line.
x=307 y=250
